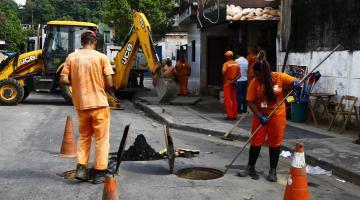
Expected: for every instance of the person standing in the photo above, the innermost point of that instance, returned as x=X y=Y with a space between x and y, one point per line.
x=183 y=70
x=265 y=91
x=251 y=58
x=242 y=82
x=168 y=71
x=230 y=72
x=90 y=74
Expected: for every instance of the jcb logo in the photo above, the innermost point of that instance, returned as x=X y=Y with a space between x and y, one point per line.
x=27 y=59
x=127 y=54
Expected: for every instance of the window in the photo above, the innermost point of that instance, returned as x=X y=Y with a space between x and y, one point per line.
x=193 y=50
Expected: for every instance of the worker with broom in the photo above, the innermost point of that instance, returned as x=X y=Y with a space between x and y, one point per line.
x=265 y=91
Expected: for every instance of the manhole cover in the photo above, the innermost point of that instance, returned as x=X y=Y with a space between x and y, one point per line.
x=199 y=173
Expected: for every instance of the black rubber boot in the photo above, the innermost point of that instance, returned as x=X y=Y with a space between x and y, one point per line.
x=250 y=169
x=99 y=176
x=274 y=158
x=81 y=173
x=272 y=175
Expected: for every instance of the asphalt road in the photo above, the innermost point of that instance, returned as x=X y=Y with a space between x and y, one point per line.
x=31 y=136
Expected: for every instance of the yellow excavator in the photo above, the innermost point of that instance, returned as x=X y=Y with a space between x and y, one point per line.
x=40 y=70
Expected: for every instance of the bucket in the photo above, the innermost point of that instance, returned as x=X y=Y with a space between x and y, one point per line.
x=299 y=112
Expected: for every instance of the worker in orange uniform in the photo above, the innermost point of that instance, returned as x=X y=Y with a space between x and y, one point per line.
x=251 y=58
x=90 y=74
x=230 y=72
x=264 y=93
x=183 y=70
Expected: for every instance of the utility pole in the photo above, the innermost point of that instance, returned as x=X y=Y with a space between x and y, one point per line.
x=32 y=21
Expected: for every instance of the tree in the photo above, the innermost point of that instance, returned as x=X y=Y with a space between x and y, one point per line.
x=42 y=11
x=10 y=28
x=118 y=14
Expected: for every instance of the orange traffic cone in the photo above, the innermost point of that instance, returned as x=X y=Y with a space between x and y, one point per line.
x=297 y=185
x=110 y=191
x=68 y=147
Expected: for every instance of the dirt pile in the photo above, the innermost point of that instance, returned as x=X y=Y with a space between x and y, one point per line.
x=141 y=151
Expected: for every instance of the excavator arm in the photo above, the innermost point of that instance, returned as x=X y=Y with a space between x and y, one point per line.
x=140 y=36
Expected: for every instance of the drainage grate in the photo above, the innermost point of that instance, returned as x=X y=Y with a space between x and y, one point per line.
x=199 y=173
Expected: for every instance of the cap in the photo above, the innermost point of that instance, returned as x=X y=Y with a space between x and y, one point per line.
x=229 y=54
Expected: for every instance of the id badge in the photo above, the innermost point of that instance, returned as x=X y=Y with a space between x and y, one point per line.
x=264 y=104
x=276 y=88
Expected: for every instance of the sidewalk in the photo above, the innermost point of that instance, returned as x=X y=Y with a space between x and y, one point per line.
x=329 y=150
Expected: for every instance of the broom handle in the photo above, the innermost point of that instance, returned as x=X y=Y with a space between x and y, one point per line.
x=277 y=106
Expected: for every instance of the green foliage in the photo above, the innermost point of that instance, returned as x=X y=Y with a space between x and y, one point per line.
x=118 y=14
x=42 y=11
x=10 y=27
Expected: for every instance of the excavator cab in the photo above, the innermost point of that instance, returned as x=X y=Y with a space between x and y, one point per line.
x=63 y=38
x=39 y=70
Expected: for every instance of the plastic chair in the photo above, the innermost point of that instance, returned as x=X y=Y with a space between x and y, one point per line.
x=341 y=109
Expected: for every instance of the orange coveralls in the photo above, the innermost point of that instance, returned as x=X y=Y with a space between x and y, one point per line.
x=230 y=71
x=87 y=69
x=182 y=71
x=275 y=127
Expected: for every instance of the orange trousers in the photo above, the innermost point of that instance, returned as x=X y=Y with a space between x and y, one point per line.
x=274 y=128
x=230 y=101
x=94 y=121
x=183 y=83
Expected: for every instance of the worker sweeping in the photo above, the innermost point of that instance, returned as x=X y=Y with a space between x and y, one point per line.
x=265 y=91
x=230 y=72
x=183 y=70
x=90 y=75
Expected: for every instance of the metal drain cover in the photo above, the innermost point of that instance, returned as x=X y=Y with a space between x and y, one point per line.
x=169 y=148
x=199 y=173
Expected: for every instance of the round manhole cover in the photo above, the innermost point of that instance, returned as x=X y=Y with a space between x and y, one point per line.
x=199 y=173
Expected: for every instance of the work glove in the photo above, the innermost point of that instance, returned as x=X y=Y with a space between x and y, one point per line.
x=263 y=119
x=296 y=85
x=234 y=82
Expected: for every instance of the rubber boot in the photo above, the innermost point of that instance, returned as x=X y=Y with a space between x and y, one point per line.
x=81 y=173
x=99 y=176
x=250 y=169
x=274 y=158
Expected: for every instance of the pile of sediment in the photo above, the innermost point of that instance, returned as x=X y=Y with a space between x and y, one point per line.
x=140 y=151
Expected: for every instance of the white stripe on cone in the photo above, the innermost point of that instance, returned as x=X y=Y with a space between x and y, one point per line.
x=299 y=160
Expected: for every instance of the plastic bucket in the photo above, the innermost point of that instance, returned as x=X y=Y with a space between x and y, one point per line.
x=299 y=112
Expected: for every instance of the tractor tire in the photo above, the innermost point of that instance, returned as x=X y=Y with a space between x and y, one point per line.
x=67 y=94
x=26 y=92
x=11 y=92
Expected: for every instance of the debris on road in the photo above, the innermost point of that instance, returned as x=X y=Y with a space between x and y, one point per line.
x=187 y=153
x=341 y=180
x=285 y=154
x=141 y=151
x=317 y=170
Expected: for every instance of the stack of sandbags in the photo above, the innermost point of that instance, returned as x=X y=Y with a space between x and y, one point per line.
x=235 y=13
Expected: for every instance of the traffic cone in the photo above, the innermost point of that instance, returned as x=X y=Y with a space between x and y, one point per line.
x=110 y=191
x=297 y=185
x=68 y=147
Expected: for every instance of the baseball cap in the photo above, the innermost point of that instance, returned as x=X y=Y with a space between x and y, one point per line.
x=229 y=54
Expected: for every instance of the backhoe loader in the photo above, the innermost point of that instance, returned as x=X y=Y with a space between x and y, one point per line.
x=40 y=70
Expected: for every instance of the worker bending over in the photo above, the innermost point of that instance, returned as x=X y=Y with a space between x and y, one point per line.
x=265 y=91
x=230 y=72
x=90 y=74
x=183 y=70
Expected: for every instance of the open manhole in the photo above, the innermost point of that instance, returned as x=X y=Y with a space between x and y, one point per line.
x=199 y=173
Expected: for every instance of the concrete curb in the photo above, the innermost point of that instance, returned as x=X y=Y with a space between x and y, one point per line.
x=310 y=159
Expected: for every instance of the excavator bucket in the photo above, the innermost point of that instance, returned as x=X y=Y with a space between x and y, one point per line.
x=165 y=88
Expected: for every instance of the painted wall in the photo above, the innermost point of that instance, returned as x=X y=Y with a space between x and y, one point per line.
x=340 y=72
x=193 y=35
